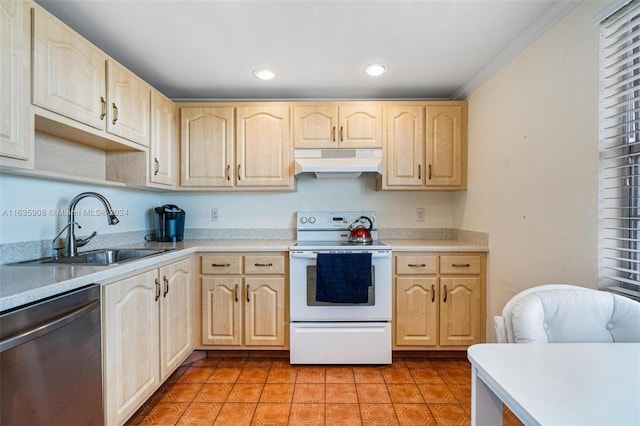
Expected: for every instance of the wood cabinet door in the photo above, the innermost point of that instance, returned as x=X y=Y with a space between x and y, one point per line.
x=263 y=147
x=264 y=311
x=405 y=144
x=460 y=318
x=128 y=109
x=130 y=312
x=175 y=315
x=416 y=311
x=221 y=311
x=206 y=142
x=444 y=145
x=15 y=130
x=162 y=140
x=315 y=126
x=360 y=126
x=69 y=75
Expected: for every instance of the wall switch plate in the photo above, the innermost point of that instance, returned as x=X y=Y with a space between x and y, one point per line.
x=215 y=215
x=420 y=214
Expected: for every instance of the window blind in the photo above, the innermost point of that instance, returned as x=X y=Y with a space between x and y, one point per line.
x=619 y=201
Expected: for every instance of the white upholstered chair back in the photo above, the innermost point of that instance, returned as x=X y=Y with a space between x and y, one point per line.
x=556 y=313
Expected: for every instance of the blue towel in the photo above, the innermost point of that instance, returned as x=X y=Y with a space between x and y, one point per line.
x=343 y=278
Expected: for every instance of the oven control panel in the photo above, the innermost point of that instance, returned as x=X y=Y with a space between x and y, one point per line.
x=333 y=220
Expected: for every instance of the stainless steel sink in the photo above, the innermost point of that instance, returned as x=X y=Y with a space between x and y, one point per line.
x=97 y=257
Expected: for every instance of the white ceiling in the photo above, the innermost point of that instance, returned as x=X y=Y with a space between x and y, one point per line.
x=207 y=49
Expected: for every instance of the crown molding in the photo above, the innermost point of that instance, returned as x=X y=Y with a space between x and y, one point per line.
x=548 y=19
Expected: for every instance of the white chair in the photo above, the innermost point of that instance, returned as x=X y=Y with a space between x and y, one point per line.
x=555 y=313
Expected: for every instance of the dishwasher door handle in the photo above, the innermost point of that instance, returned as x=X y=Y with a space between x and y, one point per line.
x=50 y=326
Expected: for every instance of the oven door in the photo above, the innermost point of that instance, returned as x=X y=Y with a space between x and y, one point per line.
x=303 y=304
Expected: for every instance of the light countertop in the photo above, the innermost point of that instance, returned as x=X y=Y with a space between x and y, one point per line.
x=20 y=285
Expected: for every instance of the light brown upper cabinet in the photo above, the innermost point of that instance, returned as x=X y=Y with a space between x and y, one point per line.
x=163 y=141
x=206 y=142
x=404 y=150
x=446 y=146
x=425 y=147
x=16 y=128
x=338 y=126
x=75 y=79
x=128 y=110
x=263 y=147
x=246 y=147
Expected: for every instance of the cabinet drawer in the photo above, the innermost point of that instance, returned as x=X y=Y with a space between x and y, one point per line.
x=264 y=264
x=416 y=264
x=460 y=264
x=222 y=264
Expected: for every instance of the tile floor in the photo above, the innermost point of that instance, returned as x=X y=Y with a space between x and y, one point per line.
x=254 y=391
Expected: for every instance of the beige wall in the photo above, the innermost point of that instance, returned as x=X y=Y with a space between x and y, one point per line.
x=533 y=163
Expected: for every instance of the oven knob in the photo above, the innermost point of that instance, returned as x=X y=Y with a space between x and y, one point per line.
x=312 y=219
x=303 y=220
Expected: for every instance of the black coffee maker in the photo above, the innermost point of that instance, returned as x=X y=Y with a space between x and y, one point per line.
x=169 y=221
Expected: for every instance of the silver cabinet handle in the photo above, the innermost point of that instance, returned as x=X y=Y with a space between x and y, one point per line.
x=157 y=289
x=115 y=113
x=103 y=108
x=166 y=286
x=156 y=163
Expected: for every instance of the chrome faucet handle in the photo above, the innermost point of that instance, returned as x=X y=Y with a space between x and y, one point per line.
x=84 y=241
x=55 y=251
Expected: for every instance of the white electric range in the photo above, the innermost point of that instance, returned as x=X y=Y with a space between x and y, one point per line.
x=336 y=318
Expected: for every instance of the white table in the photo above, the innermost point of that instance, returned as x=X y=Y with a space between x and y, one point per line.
x=556 y=384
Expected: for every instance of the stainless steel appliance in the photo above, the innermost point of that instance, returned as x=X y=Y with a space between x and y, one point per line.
x=169 y=223
x=348 y=319
x=50 y=361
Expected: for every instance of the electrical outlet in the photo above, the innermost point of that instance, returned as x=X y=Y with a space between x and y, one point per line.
x=215 y=215
x=420 y=214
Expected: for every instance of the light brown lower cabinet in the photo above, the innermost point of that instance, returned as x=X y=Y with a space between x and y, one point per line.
x=146 y=335
x=244 y=300
x=439 y=301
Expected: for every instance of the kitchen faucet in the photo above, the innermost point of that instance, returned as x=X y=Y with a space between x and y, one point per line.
x=72 y=242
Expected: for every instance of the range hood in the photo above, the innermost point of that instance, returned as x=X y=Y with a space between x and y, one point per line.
x=338 y=163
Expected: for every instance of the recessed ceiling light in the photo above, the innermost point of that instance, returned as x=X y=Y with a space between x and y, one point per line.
x=264 y=74
x=375 y=70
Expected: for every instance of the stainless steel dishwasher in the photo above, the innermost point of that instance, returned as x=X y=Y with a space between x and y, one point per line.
x=50 y=361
